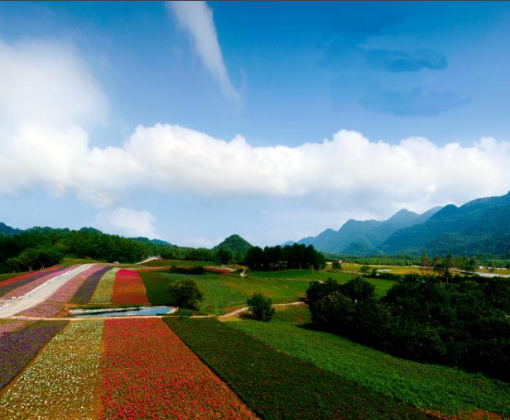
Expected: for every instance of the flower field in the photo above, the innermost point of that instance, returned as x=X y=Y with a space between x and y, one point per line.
x=18 y=347
x=61 y=383
x=86 y=290
x=150 y=374
x=129 y=289
x=68 y=290
x=9 y=285
x=277 y=386
x=103 y=292
x=219 y=270
x=45 y=310
x=7 y=326
x=25 y=288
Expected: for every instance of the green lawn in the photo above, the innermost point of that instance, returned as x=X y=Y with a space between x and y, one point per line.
x=226 y=292
x=7 y=276
x=425 y=386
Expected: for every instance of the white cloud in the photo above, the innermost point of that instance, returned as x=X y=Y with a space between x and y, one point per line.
x=197 y=18
x=127 y=222
x=45 y=144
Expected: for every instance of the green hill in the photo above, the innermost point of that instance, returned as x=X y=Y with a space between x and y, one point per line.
x=235 y=244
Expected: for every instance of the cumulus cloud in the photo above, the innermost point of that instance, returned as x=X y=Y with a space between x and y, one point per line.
x=197 y=19
x=127 y=222
x=348 y=172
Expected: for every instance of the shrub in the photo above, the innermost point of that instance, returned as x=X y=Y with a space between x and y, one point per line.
x=194 y=270
x=260 y=307
x=185 y=294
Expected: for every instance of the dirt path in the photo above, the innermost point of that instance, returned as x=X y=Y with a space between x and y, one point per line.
x=239 y=311
x=40 y=293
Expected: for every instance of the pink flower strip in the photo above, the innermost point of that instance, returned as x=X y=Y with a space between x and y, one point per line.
x=68 y=290
x=45 y=309
x=11 y=326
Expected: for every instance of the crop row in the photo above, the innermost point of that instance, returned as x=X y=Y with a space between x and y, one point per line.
x=44 y=309
x=68 y=290
x=8 y=325
x=278 y=386
x=18 y=347
x=13 y=283
x=150 y=374
x=85 y=292
x=61 y=382
x=103 y=292
x=129 y=289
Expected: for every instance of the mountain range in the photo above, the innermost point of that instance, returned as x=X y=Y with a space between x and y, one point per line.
x=479 y=227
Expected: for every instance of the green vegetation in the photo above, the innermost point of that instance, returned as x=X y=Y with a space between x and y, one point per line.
x=275 y=385
x=184 y=294
x=7 y=276
x=260 y=307
x=226 y=292
x=460 y=322
x=279 y=258
x=429 y=387
x=234 y=248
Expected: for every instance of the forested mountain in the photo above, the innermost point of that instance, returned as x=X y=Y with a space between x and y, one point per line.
x=234 y=244
x=7 y=230
x=478 y=227
x=363 y=237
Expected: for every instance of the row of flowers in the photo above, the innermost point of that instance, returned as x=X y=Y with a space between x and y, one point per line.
x=13 y=283
x=68 y=290
x=103 y=292
x=87 y=289
x=61 y=382
x=129 y=289
x=18 y=347
x=149 y=373
x=8 y=325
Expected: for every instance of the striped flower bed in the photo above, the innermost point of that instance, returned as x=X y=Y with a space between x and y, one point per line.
x=129 y=289
x=60 y=384
x=8 y=325
x=150 y=374
x=22 y=290
x=219 y=270
x=18 y=347
x=85 y=292
x=45 y=310
x=103 y=292
x=68 y=290
x=9 y=285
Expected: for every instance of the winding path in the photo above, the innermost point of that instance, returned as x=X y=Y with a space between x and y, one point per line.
x=40 y=293
x=239 y=311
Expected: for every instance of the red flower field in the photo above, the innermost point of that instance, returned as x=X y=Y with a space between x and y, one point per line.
x=149 y=373
x=129 y=289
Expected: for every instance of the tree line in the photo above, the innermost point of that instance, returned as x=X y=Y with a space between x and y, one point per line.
x=277 y=258
x=463 y=322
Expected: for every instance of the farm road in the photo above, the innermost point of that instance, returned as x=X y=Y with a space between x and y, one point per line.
x=40 y=293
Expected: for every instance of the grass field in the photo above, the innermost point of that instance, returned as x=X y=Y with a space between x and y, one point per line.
x=165 y=263
x=226 y=292
x=425 y=386
x=7 y=276
x=277 y=386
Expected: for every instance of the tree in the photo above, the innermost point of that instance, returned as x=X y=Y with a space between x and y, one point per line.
x=224 y=256
x=185 y=294
x=425 y=260
x=364 y=269
x=336 y=266
x=260 y=307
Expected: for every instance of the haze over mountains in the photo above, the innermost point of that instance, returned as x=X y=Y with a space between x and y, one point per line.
x=478 y=227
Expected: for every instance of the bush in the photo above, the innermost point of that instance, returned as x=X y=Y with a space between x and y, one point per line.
x=260 y=307
x=194 y=270
x=185 y=294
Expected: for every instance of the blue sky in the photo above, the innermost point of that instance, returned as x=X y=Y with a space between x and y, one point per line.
x=194 y=121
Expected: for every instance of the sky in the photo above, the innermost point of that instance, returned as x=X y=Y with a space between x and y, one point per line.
x=191 y=121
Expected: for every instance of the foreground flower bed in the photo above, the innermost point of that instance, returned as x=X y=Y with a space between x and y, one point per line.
x=103 y=292
x=150 y=374
x=87 y=289
x=24 y=289
x=219 y=270
x=11 y=284
x=8 y=325
x=18 y=347
x=61 y=383
x=68 y=290
x=129 y=289
x=277 y=386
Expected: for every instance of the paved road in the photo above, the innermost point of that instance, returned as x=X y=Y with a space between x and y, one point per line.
x=40 y=293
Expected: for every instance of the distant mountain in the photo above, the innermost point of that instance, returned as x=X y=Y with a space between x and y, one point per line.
x=152 y=241
x=478 y=227
x=234 y=244
x=7 y=230
x=365 y=236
